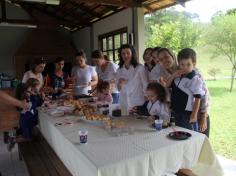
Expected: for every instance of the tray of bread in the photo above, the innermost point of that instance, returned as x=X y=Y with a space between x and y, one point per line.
x=88 y=112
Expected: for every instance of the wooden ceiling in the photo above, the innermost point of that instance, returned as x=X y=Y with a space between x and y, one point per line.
x=76 y=14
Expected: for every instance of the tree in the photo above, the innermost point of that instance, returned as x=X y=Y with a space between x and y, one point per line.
x=175 y=35
x=172 y=29
x=213 y=72
x=221 y=35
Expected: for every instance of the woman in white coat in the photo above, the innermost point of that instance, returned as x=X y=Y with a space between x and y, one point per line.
x=131 y=79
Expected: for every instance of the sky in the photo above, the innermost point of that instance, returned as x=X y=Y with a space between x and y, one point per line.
x=206 y=8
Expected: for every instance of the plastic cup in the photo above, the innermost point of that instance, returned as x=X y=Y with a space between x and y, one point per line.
x=83 y=136
x=158 y=124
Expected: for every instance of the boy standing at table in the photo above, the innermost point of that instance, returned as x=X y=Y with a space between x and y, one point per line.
x=187 y=90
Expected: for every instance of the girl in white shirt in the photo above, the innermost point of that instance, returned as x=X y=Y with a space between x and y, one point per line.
x=152 y=69
x=131 y=79
x=84 y=76
x=156 y=104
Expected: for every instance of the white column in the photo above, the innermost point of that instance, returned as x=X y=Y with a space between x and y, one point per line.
x=139 y=32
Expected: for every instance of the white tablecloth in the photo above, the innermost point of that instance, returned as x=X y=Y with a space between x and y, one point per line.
x=144 y=153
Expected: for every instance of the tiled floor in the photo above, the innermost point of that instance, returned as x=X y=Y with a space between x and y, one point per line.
x=10 y=165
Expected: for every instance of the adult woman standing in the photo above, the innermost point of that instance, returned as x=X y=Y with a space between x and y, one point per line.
x=106 y=72
x=132 y=79
x=58 y=80
x=83 y=75
x=36 y=70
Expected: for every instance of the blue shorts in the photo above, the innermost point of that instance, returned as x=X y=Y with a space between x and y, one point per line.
x=182 y=120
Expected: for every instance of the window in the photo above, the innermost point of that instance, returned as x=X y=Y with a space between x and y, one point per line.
x=110 y=43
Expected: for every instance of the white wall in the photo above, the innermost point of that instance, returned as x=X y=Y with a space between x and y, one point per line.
x=87 y=38
x=112 y=23
x=11 y=38
x=82 y=40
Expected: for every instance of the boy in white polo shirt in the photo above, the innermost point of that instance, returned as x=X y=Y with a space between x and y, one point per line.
x=187 y=90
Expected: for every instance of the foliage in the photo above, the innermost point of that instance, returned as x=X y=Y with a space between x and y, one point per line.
x=213 y=72
x=172 y=29
x=221 y=36
x=222 y=131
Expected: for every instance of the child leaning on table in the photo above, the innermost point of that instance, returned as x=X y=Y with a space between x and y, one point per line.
x=156 y=105
x=186 y=90
x=104 y=92
x=29 y=117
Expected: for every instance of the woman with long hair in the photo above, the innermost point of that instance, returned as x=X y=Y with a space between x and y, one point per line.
x=131 y=79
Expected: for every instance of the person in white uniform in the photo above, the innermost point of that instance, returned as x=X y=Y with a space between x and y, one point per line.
x=131 y=79
x=152 y=68
x=156 y=104
x=106 y=71
x=84 y=76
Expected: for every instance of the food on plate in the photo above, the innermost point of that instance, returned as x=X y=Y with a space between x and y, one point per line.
x=108 y=124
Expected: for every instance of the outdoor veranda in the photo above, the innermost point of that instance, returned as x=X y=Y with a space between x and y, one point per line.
x=53 y=28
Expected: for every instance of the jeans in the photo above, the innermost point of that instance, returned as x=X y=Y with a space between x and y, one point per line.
x=182 y=120
x=116 y=98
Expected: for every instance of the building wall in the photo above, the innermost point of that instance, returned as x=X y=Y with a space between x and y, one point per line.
x=133 y=19
x=112 y=23
x=11 y=38
x=82 y=40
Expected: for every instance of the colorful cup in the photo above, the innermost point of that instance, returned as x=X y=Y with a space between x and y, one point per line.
x=158 y=124
x=83 y=136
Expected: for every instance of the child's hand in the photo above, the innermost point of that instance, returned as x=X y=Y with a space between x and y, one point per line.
x=203 y=122
x=133 y=110
x=25 y=105
x=163 y=82
x=179 y=73
x=193 y=118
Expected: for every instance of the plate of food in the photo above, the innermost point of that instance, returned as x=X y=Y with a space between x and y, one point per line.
x=179 y=135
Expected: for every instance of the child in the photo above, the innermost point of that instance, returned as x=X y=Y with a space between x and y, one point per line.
x=29 y=117
x=187 y=90
x=156 y=104
x=104 y=92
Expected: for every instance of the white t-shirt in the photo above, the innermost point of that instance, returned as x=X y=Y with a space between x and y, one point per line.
x=159 y=109
x=29 y=74
x=108 y=74
x=154 y=74
x=132 y=93
x=82 y=77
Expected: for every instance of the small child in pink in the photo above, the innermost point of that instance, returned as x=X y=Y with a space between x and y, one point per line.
x=104 y=92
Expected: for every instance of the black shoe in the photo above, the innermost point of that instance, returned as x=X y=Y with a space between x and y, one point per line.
x=5 y=138
x=10 y=143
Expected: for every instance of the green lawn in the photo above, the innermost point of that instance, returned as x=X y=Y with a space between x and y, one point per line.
x=205 y=62
x=223 y=118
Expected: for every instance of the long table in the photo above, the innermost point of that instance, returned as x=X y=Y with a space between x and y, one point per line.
x=146 y=152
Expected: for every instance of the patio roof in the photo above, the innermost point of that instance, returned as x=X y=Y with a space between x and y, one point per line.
x=76 y=14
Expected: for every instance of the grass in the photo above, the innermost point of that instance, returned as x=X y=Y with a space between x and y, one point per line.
x=223 y=118
x=222 y=111
x=205 y=62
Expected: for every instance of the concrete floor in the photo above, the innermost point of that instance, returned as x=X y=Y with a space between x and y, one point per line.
x=10 y=165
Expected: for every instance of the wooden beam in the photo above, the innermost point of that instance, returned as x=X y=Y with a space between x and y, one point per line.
x=18 y=21
x=3 y=7
x=86 y=9
x=119 y=3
